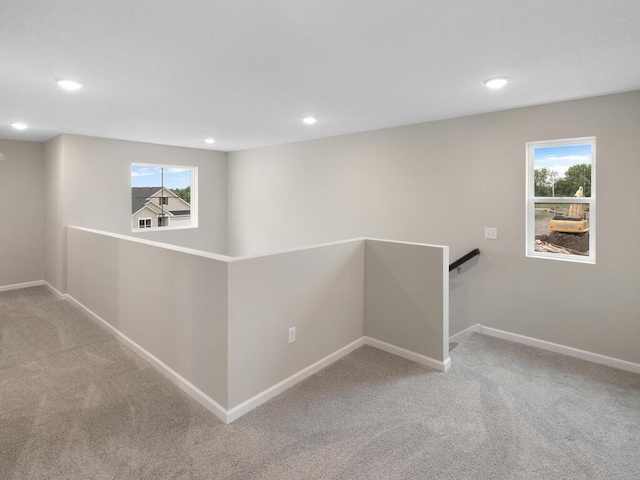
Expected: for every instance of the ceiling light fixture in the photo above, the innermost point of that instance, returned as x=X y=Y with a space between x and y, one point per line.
x=68 y=84
x=19 y=125
x=309 y=120
x=210 y=140
x=497 y=82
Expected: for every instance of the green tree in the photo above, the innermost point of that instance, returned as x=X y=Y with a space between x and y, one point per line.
x=576 y=176
x=183 y=193
x=542 y=182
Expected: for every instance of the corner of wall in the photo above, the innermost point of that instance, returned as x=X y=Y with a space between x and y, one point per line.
x=55 y=232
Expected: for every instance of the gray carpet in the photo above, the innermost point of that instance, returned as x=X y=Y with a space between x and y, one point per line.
x=75 y=403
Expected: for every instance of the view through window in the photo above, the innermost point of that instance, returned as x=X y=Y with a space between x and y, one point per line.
x=561 y=199
x=162 y=197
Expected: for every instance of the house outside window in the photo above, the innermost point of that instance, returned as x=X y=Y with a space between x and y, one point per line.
x=165 y=195
x=561 y=200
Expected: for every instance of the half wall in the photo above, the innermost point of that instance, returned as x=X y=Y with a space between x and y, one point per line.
x=218 y=326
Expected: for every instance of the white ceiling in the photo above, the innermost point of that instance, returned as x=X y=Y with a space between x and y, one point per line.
x=246 y=72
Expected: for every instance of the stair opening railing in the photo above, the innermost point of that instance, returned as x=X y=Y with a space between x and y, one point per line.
x=473 y=253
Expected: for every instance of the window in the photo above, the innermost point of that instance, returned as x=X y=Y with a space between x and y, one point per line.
x=163 y=197
x=144 y=223
x=561 y=199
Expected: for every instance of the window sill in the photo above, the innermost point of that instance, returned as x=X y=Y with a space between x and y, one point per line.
x=562 y=258
x=161 y=229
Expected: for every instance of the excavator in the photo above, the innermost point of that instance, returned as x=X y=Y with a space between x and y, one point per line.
x=575 y=221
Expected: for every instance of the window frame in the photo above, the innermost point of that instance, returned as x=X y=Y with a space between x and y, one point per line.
x=531 y=200
x=193 y=203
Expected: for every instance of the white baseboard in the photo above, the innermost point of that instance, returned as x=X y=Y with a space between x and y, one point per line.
x=254 y=402
x=228 y=416
x=18 y=286
x=409 y=355
x=54 y=289
x=447 y=364
x=266 y=395
x=557 y=348
x=461 y=336
x=184 y=384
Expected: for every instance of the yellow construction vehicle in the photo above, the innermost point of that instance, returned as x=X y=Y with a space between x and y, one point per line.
x=575 y=221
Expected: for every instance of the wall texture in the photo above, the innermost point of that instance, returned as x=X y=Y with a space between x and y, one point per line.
x=22 y=212
x=89 y=182
x=442 y=183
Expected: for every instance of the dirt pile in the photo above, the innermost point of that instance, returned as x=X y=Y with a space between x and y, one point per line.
x=572 y=241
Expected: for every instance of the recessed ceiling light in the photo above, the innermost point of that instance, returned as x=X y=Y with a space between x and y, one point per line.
x=210 y=140
x=309 y=120
x=497 y=82
x=68 y=84
x=19 y=125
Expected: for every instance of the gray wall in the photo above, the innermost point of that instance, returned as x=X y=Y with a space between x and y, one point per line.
x=442 y=183
x=22 y=212
x=90 y=182
x=406 y=298
x=173 y=304
x=319 y=291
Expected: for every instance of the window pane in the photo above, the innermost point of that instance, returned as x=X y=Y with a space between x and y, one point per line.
x=145 y=180
x=162 y=193
x=177 y=201
x=563 y=171
x=562 y=228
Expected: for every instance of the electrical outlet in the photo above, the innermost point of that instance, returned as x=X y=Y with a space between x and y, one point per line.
x=292 y=335
x=491 y=232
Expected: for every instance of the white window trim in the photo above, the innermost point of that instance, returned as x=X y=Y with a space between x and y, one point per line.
x=145 y=220
x=194 y=196
x=531 y=200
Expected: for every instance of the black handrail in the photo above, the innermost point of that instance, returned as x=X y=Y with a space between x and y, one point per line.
x=464 y=259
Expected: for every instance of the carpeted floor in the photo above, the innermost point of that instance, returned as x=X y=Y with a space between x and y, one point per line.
x=75 y=403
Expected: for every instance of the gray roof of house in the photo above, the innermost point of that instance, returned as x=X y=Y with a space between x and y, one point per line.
x=140 y=195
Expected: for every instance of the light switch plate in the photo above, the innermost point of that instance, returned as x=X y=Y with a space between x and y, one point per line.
x=491 y=232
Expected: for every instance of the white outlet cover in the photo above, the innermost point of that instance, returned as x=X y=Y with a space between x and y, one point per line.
x=491 y=233
x=2 y=156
